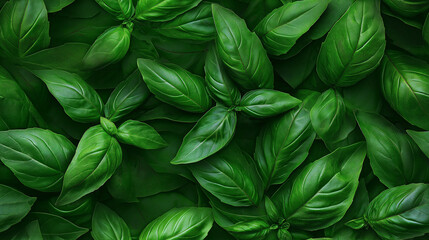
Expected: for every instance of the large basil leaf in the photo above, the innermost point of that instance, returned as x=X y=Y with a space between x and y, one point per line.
x=110 y=47
x=37 y=157
x=174 y=85
x=14 y=206
x=408 y=8
x=24 y=27
x=264 y=103
x=401 y=212
x=140 y=135
x=241 y=50
x=121 y=9
x=97 y=156
x=196 y=24
x=354 y=46
x=127 y=96
x=280 y=29
x=331 y=120
x=393 y=155
x=163 y=10
x=211 y=133
x=283 y=144
x=54 y=227
x=320 y=194
x=405 y=84
x=79 y=100
x=181 y=223
x=422 y=140
x=16 y=110
x=230 y=176
x=219 y=84
x=106 y=224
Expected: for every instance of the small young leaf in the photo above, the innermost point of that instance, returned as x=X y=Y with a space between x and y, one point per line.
x=140 y=135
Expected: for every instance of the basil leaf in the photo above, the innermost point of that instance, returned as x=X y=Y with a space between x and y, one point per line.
x=230 y=176
x=393 y=156
x=195 y=24
x=354 y=46
x=264 y=103
x=425 y=30
x=24 y=27
x=121 y=9
x=14 y=206
x=405 y=82
x=167 y=112
x=255 y=229
x=323 y=190
x=110 y=47
x=126 y=97
x=219 y=84
x=331 y=120
x=211 y=133
x=241 y=51
x=273 y=213
x=180 y=223
x=283 y=144
x=140 y=134
x=79 y=100
x=37 y=157
x=30 y=231
x=16 y=110
x=54 y=227
x=280 y=29
x=106 y=224
x=421 y=139
x=400 y=212
x=408 y=8
x=96 y=159
x=174 y=85
x=57 y=5
x=162 y=10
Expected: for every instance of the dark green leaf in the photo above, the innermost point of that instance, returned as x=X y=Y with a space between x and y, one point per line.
x=57 y=5
x=140 y=134
x=408 y=8
x=29 y=231
x=107 y=225
x=163 y=10
x=121 y=9
x=211 y=133
x=54 y=227
x=255 y=229
x=422 y=140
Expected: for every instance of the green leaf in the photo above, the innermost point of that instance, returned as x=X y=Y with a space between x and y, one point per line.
x=106 y=224
x=110 y=47
x=219 y=84
x=393 y=155
x=54 y=227
x=16 y=110
x=408 y=8
x=263 y=103
x=57 y=5
x=405 y=84
x=108 y=126
x=320 y=194
x=180 y=223
x=230 y=176
x=79 y=100
x=331 y=119
x=163 y=10
x=272 y=212
x=211 y=133
x=24 y=27
x=97 y=157
x=37 y=157
x=354 y=46
x=280 y=29
x=29 y=231
x=120 y=9
x=283 y=144
x=255 y=229
x=174 y=85
x=167 y=112
x=425 y=30
x=140 y=134
x=356 y=223
x=196 y=25
x=126 y=97
x=241 y=51
x=400 y=212
x=421 y=139
x=14 y=206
